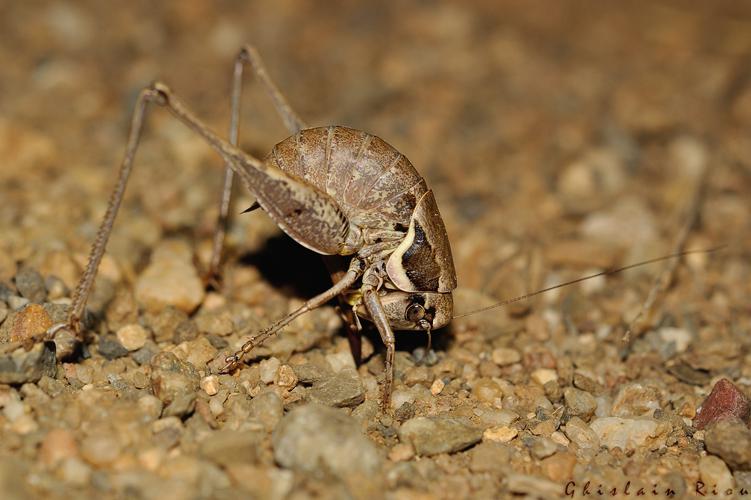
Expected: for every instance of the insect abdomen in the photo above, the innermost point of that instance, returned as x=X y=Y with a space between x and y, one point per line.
x=375 y=185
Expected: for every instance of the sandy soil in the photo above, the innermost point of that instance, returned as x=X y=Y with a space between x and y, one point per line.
x=560 y=139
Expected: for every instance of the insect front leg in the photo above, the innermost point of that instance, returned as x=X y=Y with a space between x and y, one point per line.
x=349 y=279
x=248 y=55
x=380 y=319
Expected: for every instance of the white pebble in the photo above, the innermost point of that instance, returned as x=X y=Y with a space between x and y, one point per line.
x=544 y=375
x=401 y=396
x=437 y=386
x=13 y=410
x=500 y=434
x=269 y=368
x=210 y=384
x=74 y=471
x=682 y=338
x=286 y=377
x=132 y=337
x=504 y=356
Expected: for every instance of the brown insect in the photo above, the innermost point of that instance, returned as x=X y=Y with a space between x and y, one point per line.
x=343 y=193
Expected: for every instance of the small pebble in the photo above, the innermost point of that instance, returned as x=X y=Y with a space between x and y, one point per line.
x=56 y=288
x=487 y=391
x=227 y=447
x=559 y=467
x=174 y=382
x=216 y=406
x=111 y=348
x=343 y=389
x=504 y=356
x=210 y=384
x=544 y=375
x=340 y=360
x=581 y=434
x=500 y=434
x=75 y=472
x=437 y=386
x=286 y=377
x=170 y=279
x=151 y=406
x=630 y=434
x=151 y=458
x=401 y=452
x=730 y=439
x=679 y=337
x=197 y=352
x=24 y=425
x=579 y=403
x=492 y=417
x=635 y=400
x=215 y=322
x=100 y=449
x=543 y=447
x=418 y=375
x=21 y=366
x=16 y=302
x=439 y=434
x=545 y=428
x=30 y=322
x=560 y=438
x=167 y=322
x=57 y=445
x=401 y=396
x=30 y=284
x=132 y=337
x=725 y=401
x=715 y=474
x=267 y=408
x=312 y=436
x=269 y=368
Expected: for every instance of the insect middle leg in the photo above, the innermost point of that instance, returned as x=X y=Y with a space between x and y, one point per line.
x=380 y=319
x=351 y=276
x=248 y=55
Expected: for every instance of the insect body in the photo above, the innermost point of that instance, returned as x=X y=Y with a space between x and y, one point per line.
x=335 y=190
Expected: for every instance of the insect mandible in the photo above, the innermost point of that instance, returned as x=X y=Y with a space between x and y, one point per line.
x=340 y=192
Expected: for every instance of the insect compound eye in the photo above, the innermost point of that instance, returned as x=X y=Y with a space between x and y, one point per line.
x=415 y=312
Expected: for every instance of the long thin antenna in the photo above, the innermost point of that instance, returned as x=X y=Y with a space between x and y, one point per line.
x=607 y=272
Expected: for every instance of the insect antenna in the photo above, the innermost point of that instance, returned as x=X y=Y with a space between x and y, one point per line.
x=606 y=272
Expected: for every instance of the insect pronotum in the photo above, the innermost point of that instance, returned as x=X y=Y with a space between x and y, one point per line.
x=340 y=192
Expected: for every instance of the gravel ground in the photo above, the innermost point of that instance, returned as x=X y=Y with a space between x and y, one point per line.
x=560 y=138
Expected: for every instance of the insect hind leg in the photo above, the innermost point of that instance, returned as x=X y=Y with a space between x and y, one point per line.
x=248 y=56
x=160 y=94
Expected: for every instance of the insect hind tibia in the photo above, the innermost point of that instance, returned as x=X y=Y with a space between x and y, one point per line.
x=607 y=272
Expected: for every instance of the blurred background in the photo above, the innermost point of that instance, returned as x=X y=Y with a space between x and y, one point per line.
x=566 y=133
